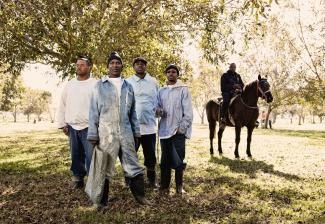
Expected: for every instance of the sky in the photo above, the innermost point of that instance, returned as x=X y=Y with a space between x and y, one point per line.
x=43 y=77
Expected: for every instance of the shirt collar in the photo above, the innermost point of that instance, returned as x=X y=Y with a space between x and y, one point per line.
x=146 y=77
x=106 y=79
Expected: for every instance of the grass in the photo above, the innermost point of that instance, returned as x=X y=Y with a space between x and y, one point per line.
x=284 y=183
x=295 y=133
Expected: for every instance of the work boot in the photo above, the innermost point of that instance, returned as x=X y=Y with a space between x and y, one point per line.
x=151 y=175
x=179 y=181
x=77 y=182
x=104 y=199
x=137 y=189
x=165 y=176
x=127 y=182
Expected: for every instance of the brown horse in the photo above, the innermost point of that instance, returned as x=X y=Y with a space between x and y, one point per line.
x=243 y=111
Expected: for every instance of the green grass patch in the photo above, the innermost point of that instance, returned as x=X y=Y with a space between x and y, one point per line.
x=313 y=134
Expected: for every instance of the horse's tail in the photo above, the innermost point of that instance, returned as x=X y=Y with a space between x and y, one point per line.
x=212 y=110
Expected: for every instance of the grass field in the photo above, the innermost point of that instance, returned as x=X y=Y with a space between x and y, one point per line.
x=284 y=183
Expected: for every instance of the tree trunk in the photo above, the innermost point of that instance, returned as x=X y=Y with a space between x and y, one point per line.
x=269 y=109
x=14 y=113
x=49 y=111
x=299 y=123
x=303 y=119
x=28 y=118
x=202 y=116
x=320 y=119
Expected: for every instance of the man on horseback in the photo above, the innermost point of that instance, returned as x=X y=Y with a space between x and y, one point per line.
x=231 y=84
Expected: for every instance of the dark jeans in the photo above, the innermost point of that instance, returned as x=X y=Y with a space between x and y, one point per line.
x=81 y=152
x=173 y=152
x=148 y=143
x=225 y=104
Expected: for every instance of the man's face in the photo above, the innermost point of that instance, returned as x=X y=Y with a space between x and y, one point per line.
x=232 y=67
x=139 y=67
x=82 y=68
x=172 y=75
x=115 y=67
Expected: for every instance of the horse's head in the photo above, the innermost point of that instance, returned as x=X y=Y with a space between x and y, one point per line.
x=264 y=89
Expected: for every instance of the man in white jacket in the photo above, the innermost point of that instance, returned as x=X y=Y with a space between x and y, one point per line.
x=73 y=119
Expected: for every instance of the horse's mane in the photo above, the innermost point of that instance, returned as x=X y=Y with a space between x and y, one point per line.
x=249 y=85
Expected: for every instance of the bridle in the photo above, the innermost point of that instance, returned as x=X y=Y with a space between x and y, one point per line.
x=259 y=90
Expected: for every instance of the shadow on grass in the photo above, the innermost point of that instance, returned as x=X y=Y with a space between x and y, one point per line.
x=38 y=198
x=32 y=196
x=251 y=167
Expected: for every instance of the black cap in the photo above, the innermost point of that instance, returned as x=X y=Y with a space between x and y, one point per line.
x=114 y=55
x=140 y=59
x=174 y=66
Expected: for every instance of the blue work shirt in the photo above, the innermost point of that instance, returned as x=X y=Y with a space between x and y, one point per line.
x=145 y=92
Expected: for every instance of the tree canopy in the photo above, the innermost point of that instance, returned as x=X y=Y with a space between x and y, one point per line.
x=55 y=32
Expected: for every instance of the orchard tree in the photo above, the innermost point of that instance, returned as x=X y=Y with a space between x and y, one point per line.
x=55 y=32
x=11 y=94
x=205 y=87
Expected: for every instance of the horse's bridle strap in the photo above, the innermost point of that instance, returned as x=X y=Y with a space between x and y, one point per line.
x=259 y=89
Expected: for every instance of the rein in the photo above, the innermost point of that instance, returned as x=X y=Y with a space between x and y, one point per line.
x=250 y=107
x=258 y=90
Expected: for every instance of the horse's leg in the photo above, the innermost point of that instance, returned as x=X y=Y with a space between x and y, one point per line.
x=238 y=129
x=249 y=139
x=220 y=132
x=212 y=128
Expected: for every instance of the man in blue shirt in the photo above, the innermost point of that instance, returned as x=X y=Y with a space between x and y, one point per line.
x=146 y=89
x=175 y=110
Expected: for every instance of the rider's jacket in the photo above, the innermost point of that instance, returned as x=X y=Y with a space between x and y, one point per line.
x=228 y=80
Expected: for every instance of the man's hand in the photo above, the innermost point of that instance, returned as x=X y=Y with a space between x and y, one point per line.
x=237 y=91
x=158 y=112
x=179 y=131
x=66 y=130
x=236 y=86
x=94 y=142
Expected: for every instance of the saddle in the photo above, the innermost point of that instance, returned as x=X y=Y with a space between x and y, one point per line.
x=229 y=120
